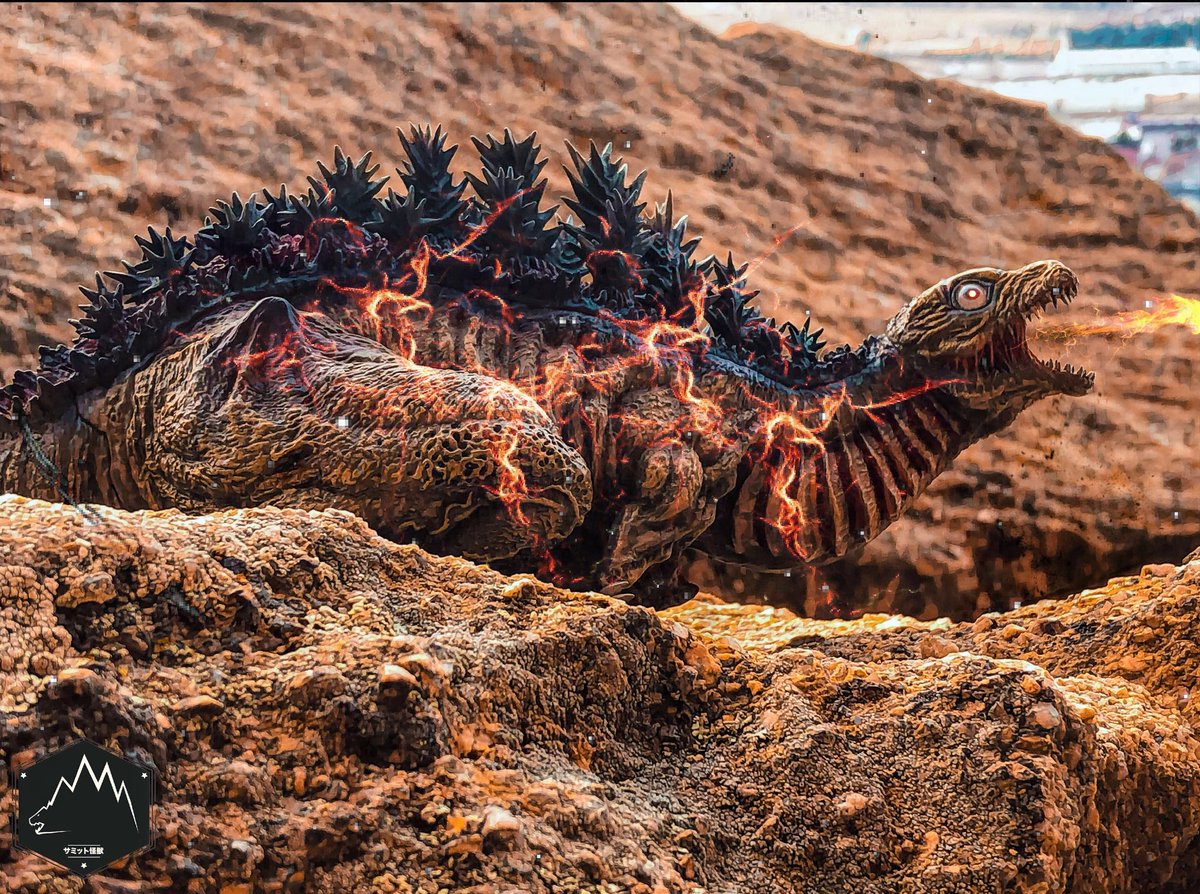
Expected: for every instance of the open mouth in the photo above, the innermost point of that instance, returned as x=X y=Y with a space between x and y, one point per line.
x=1007 y=353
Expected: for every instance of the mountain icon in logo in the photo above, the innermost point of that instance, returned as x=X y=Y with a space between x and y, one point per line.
x=84 y=807
x=120 y=794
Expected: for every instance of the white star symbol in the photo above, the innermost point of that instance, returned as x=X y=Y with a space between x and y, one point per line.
x=23 y=775
x=83 y=866
x=144 y=775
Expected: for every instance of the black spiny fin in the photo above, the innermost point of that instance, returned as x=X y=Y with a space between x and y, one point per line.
x=234 y=228
x=353 y=191
x=668 y=270
x=278 y=205
x=402 y=219
x=427 y=175
x=611 y=235
x=803 y=344
x=728 y=309
x=511 y=193
x=103 y=313
x=762 y=343
x=162 y=255
x=842 y=361
x=610 y=215
x=294 y=214
x=665 y=230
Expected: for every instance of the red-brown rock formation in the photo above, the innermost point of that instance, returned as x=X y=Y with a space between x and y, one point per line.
x=331 y=712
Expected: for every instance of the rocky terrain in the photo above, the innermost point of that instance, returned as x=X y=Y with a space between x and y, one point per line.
x=116 y=117
x=333 y=712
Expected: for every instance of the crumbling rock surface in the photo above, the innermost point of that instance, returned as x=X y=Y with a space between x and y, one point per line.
x=332 y=712
x=115 y=117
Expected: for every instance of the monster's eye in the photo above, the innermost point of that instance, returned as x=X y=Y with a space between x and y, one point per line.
x=972 y=296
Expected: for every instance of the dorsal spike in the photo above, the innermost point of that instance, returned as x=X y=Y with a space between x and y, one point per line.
x=611 y=234
x=235 y=227
x=511 y=193
x=351 y=186
x=672 y=278
x=427 y=173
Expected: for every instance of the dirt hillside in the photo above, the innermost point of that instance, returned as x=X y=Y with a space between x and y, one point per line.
x=116 y=117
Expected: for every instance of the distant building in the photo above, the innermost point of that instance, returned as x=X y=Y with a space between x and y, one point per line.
x=1164 y=144
x=1127 y=144
x=1125 y=62
x=1158 y=137
x=1175 y=104
x=1180 y=174
x=999 y=49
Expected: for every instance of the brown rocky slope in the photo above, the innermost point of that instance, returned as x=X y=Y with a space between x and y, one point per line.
x=116 y=117
x=332 y=712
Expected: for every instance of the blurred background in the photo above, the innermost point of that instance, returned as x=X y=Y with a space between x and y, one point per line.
x=852 y=179
x=1128 y=73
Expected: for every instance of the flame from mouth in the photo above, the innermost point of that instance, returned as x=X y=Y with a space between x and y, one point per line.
x=1175 y=310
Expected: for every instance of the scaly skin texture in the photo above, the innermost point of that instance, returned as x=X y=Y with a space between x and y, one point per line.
x=584 y=402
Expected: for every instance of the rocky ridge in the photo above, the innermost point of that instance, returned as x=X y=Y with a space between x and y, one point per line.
x=330 y=711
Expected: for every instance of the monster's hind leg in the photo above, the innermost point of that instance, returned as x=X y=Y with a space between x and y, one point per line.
x=459 y=463
x=491 y=487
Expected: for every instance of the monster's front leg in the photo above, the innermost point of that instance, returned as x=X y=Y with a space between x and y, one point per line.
x=271 y=406
x=672 y=460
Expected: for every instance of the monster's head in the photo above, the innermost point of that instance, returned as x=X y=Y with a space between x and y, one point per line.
x=969 y=331
x=952 y=367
